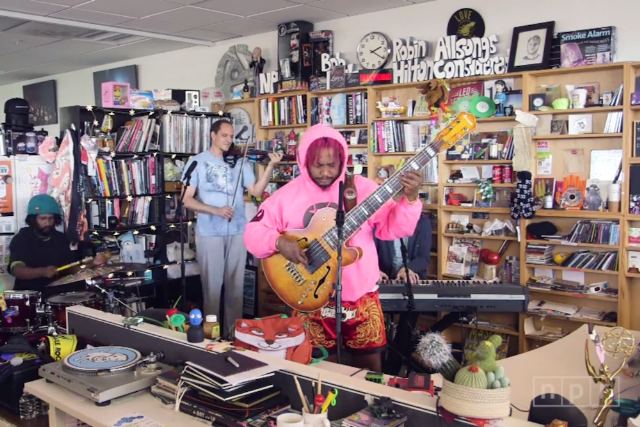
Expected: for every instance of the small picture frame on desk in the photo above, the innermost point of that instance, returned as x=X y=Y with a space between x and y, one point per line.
x=536 y=101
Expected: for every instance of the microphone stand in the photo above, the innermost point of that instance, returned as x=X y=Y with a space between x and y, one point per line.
x=407 y=282
x=179 y=214
x=340 y=214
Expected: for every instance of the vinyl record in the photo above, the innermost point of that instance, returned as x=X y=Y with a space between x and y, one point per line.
x=466 y=23
x=482 y=107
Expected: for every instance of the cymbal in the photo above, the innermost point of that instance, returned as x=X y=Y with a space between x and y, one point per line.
x=129 y=266
x=86 y=274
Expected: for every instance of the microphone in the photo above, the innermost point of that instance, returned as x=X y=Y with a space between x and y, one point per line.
x=187 y=175
x=340 y=211
x=243 y=130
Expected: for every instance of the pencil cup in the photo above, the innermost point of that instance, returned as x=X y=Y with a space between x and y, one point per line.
x=289 y=420
x=315 y=420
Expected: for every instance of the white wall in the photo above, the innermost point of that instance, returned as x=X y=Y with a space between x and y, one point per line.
x=195 y=68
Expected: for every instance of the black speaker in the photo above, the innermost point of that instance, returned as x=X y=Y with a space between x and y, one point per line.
x=548 y=407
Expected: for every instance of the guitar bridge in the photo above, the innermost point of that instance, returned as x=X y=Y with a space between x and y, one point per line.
x=295 y=274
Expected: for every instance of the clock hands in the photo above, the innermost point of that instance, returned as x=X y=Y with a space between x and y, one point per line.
x=377 y=54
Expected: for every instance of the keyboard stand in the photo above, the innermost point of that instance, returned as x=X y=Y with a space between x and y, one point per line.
x=401 y=349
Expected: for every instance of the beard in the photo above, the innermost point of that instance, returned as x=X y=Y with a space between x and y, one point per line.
x=324 y=183
x=44 y=231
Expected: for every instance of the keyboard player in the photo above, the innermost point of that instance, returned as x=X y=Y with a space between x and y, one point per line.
x=418 y=251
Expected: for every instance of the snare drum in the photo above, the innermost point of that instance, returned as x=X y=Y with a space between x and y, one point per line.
x=22 y=311
x=59 y=303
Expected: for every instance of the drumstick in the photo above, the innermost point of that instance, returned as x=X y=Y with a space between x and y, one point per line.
x=73 y=264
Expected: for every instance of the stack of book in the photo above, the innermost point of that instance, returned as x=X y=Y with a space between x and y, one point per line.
x=213 y=388
x=366 y=417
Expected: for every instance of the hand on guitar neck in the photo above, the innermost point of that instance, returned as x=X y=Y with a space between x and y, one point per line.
x=411 y=182
x=291 y=250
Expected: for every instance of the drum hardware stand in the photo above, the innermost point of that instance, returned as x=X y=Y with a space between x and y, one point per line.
x=340 y=214
x=109 y=295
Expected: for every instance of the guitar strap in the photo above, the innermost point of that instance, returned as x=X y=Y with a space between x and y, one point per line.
x=350 y=194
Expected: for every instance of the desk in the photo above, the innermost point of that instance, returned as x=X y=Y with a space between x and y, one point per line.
x=559 y=367
x=64 y=402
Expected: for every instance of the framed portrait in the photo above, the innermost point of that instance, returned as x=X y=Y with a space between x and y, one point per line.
x=531 y=47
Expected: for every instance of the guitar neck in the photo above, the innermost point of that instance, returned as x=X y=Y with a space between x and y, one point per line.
x=372 y=204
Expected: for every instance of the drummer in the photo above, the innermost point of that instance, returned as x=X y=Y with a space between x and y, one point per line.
x=39 y=249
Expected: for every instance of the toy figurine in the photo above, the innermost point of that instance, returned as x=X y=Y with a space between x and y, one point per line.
x=257 y=63
x=500 y=98
x=436 y=94
x=245 y=89
x=196 y=330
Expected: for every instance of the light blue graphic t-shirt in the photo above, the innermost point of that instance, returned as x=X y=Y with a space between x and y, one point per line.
x=215 y=184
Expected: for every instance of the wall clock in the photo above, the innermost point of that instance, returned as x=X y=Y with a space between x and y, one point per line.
x=374 y=51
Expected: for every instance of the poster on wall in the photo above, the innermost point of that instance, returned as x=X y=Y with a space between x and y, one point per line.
x=7 y=196
x=32 y=178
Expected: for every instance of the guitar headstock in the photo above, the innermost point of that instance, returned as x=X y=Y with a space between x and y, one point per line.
x=461 y=125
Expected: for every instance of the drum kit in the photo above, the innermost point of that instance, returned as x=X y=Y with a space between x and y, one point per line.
x=29 y=313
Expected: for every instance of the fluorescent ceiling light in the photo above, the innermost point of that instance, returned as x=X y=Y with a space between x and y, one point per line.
x=106 y=28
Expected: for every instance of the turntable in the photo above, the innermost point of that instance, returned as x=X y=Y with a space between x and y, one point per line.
x=105 y=373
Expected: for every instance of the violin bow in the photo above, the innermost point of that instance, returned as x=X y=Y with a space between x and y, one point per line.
x=235 y=191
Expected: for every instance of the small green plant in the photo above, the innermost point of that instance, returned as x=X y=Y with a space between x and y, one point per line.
x=471 y=376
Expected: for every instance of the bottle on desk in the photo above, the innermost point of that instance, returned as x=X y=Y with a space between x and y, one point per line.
x=211 y=327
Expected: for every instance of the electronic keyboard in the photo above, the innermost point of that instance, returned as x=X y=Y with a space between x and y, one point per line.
x=454 y=296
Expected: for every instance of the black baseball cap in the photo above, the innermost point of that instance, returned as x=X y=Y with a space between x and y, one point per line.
x=16 y=106
x=16 y=114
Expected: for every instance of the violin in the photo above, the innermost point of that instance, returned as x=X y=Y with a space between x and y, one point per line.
x=235 y=153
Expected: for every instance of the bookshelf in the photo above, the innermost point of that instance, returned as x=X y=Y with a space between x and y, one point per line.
x=609 y=77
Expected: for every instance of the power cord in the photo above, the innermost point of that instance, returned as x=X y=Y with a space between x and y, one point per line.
x=518 y=409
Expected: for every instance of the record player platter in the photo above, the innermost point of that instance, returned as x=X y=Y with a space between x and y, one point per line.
x=105 y=373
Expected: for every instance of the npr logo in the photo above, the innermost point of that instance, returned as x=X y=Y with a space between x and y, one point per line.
x=582 y=392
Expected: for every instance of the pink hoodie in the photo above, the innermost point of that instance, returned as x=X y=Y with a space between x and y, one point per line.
x=291 y=207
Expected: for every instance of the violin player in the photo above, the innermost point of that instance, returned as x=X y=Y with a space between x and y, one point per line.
x=215 y=192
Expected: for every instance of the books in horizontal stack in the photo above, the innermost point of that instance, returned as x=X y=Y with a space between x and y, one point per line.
x=212 y=388
x=366 y=418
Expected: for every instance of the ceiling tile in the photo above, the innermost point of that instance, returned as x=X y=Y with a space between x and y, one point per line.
x=8 y=43
x=65 y=2
x=299 y=13
x=245 y=7
x=357 y=7
x=137 y=8
x=204 y=34
x=6 y=23
x=192 y=17
x=148 y=24
x=244 y=27
x=38 y=56
x=185 y=2
x=93 y=17
x=29 y=6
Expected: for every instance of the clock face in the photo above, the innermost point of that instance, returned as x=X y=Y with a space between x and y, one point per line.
x=374 y=51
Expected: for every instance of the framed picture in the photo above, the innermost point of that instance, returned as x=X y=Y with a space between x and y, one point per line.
x=531 y=47
x=43 y=108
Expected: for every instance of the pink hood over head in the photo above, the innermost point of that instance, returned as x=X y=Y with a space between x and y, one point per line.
x=293 y=206
x=312 y=134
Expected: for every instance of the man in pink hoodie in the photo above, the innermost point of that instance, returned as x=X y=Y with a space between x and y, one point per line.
x=322 y=158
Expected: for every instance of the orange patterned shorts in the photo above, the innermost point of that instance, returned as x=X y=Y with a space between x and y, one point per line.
x=362 y=325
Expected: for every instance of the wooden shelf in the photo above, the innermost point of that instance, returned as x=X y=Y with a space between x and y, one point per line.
x=578 y=245
x=576 y=214
x=579 y=110
x=477 y=162
x=609 y=76
x=582 y=270
x=475 y=236
x=574 y=295
x=573 y=319
x=487 y=328
x=581 y=136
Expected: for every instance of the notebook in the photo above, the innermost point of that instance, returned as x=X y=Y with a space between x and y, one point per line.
x=218 y=365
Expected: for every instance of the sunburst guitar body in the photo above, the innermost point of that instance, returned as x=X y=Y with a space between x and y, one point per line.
x=310 y=287
x=309 y=291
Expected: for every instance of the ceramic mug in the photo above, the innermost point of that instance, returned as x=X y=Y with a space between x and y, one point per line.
x=579 y=98
x=289 y=420
x=316 y=420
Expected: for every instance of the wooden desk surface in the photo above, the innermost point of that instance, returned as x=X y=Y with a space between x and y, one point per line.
x=559 y=367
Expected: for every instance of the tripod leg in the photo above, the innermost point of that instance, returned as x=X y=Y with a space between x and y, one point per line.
x=402 y=345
